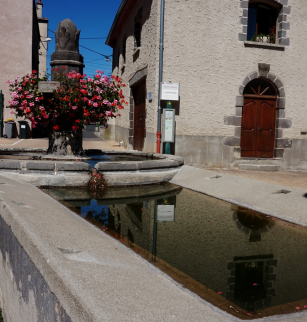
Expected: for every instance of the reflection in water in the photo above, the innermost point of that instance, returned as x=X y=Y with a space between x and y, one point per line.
x=238 y=259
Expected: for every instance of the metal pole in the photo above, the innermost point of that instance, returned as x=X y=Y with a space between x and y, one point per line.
x=1 y=114
x=160 y=74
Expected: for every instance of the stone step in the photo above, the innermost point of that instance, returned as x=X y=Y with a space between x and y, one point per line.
x=258 y=167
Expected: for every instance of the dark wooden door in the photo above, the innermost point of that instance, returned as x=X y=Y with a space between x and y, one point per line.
x=139 y=95
x=258 y=127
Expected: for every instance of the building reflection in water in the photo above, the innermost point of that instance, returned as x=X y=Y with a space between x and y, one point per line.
x=248 y=258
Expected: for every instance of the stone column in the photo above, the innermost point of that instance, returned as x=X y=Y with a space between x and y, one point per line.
x=67 y=49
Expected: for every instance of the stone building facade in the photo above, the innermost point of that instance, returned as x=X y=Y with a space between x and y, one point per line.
x=241 y=92
x=18 y=44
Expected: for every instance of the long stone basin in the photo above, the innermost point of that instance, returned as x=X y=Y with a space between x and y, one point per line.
x=62 y=172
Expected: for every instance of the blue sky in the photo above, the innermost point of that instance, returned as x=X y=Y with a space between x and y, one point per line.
x=94 y=18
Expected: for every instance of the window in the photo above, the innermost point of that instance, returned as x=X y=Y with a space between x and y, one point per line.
x=124 y=49
x=262 y=18
x=138 y=28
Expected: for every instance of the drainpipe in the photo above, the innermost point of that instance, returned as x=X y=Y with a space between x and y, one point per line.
x=160 y=74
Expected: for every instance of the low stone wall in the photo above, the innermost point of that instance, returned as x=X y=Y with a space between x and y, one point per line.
x=55 y=266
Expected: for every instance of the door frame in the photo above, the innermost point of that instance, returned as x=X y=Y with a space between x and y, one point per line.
x=253 y=91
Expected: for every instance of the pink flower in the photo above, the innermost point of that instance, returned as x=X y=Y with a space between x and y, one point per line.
x=95 y=105
x=36 y=99
x=41 y=108
x=74 y=107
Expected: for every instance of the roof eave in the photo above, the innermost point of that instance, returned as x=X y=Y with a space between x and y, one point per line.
x=121 y=16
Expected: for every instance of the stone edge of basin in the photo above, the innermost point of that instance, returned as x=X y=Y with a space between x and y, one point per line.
x=159 y=161
x=158 y=168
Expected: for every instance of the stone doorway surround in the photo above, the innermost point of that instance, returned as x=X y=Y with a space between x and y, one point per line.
x=282 y=122
x=137 y=77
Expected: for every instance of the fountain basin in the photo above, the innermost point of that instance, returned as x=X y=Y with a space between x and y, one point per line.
x=28 y=166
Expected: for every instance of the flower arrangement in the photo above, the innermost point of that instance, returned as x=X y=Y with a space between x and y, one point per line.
x=76 y=102
x=269 y=38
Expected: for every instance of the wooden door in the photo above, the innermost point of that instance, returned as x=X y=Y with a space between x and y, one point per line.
x=139 y=95
x=258 y=128
x=258 y=123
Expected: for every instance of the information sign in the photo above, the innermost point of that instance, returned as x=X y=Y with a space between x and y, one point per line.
x=170 y=91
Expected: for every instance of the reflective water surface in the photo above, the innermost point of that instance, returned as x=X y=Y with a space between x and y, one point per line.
x=249 y=264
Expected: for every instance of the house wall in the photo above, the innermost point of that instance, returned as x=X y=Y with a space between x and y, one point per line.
x=139 y=65
x=16 y=29
x=205 y=51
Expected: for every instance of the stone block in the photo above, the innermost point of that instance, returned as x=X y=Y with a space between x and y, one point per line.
x=284 y=41
x=116 y=166
x=282 y=34
x=245 y=13
x=232 y=120
x=72 y=166
x=231 y=280
x=283 y=2
x=270 y=277
x=269 y=269
x=231 y=141
x=45 y=166
x=244 y=30
x=131 y=116
x=240 y=101
x=131 y=124
x=131 y=108
x=283 y=123
x=282 y=18
x=279 y=153
x=241 y=89
x=284 y=26
x=278 y=83
x=278 y=133
x=238 y=131
x=131 y=140
x=159 y=164
x=239 y=111
x=281 y=103
x=47 y=87
x=281 y=113
x=243 y=21
x=263 y=69
x=244 y=4
x=271 y=291
x=231 y=265
x=271 y=77
x=284 y=143
x=246 y=81
x=8 y=164
x=253 y=75
x=282 y=92
x=130 y=132
x=242 y=37
x=286 y=10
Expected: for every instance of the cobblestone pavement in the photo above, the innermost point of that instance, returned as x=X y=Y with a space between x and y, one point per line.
x=294 y=179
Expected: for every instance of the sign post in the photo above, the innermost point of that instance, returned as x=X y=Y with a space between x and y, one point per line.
x=170 y=92
x=168 y=123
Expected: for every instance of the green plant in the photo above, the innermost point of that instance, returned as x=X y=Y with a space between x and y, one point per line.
x=76 y=102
